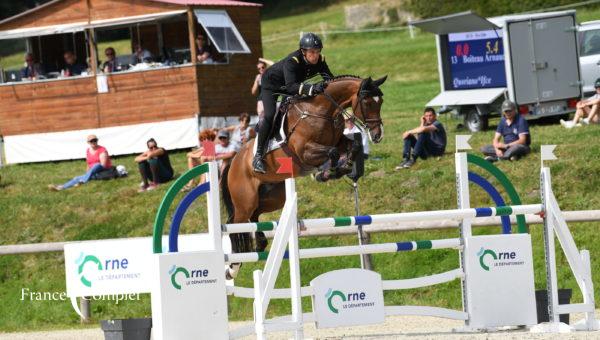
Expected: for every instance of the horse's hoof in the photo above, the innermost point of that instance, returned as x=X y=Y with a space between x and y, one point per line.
x=232 y=271
x=261 y=241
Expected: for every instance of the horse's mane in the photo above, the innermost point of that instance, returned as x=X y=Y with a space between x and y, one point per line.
x=342 y=77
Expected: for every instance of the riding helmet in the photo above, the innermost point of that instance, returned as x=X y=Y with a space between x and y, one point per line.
x=310 y=40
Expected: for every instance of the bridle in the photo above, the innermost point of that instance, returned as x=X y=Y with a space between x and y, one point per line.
x=362 y=124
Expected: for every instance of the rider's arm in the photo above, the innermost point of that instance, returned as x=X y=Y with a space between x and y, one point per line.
x=293 y=85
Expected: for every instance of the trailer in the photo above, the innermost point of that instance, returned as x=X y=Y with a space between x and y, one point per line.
x=531 y=59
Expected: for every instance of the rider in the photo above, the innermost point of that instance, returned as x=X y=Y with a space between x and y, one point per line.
x=287 y=76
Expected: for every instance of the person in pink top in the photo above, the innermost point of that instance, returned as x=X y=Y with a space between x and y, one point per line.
x=97 y=159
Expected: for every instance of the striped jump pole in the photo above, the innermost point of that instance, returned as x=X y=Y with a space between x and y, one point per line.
x=349 y=221
x=453 y=243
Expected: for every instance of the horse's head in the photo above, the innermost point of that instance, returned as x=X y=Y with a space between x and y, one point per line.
x=367 y=107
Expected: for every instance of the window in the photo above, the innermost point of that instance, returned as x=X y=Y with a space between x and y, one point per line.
x=590 y=43
x=221 y=31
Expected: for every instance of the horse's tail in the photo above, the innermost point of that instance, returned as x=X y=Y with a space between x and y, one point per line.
x=240 y=242
x=226 y=194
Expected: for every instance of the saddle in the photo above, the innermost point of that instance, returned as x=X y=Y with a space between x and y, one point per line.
x=277 y=135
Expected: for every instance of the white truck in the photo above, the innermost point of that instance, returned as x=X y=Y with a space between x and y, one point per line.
x=531 y=59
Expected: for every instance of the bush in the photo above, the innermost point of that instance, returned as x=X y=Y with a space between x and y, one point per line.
x=434 y=8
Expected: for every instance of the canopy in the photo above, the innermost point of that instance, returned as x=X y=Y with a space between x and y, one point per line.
x=458 y=22
x=466 y=97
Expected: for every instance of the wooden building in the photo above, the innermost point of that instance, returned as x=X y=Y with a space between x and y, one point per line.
x=164 y=99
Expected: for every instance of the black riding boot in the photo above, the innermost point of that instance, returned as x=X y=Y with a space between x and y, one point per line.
x=258 y=163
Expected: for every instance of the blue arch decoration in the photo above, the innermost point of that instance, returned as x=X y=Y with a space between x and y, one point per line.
x=180 y=213
x=494 y=195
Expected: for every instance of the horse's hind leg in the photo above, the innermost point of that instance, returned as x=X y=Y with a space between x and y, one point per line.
x=271 y=198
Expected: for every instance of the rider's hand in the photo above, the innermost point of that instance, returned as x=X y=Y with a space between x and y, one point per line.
x=318 y=88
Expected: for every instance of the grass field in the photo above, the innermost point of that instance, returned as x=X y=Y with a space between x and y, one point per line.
x=29 y=213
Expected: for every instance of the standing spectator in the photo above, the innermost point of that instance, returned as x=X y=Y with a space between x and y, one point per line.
x=515 y=132
x=142 y=55
x=428 y=139
x=72 y=67
x=204 y=52
x=261 y=67
x=155 y=166
x=110 y=65
x=241 y=133
x=97 y=159
x=349 y=132
x=587 y=110
x=32 y=70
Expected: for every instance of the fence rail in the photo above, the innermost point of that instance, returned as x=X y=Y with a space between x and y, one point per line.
x=570 y=216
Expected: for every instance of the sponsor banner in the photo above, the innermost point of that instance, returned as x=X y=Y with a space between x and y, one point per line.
x=348 y=297
x=500 y=280
x=122 y=266
x=189 y=295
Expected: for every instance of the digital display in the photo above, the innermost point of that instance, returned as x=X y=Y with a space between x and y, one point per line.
x=476 y=60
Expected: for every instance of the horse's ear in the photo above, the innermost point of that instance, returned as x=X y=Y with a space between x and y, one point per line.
x=380 y=81
x=366 y=84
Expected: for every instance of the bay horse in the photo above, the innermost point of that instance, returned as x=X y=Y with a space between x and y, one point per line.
x=314 y=135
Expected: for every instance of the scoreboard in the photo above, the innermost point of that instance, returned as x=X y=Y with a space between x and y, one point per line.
x=476 y=60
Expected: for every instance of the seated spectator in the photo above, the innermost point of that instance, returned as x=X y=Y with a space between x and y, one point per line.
x=142 y=55
x=32 y=70
x=97 y=159
x=241 y=133
x=587 y=110
x=197 y=157
x=515 y=132
x=204 y=51
x=224 y=149
x=155 y=166
x=428 y=139
x=110 y=65
x=72 y=67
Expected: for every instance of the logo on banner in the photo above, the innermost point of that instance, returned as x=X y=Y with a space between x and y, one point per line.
x=348 y=300
x=189 y=277
x=90 y=268
x=489 y=258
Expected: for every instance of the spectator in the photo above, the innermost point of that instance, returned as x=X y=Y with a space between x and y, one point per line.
x=349 y=132
x=261 y=67
x=587 y=110
x=241 y=133
x=515 y=132
x=155 y=166
x=97 y=159
x=224 y=150
x=142 y=55
x=110 y=65
x=428 y=139
x=32 y=70
x=72 y=68
x=204 y=52
x=197 y=157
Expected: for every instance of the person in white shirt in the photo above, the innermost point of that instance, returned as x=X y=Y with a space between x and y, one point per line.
x=349 y=132
x=587 y=110
x=224 y=150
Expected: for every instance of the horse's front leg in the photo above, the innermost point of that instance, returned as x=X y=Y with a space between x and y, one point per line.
x=316 y=154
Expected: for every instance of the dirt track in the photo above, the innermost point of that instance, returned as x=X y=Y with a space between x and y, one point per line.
x=413 y=327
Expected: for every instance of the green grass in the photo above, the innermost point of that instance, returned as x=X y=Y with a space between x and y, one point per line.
x=29 y=213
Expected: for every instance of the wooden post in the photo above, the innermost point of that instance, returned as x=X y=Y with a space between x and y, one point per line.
x=93 y=52
x=192 y=34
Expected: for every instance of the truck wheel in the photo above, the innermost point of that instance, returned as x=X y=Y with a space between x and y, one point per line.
x=474 y=121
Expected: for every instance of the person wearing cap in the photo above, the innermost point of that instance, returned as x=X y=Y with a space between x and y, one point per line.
x=154 y=165
x=427 y=139
x=97 y=159
x=514 y=131
x=289 y=76
x=224 y=150
x=587 y=110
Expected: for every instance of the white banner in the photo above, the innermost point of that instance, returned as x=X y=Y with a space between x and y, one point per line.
x=500 y=280
x=118 y=140
x=348 y=297
x=119 y=266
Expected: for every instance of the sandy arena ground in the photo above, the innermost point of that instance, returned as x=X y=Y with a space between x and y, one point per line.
x=397 y=327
